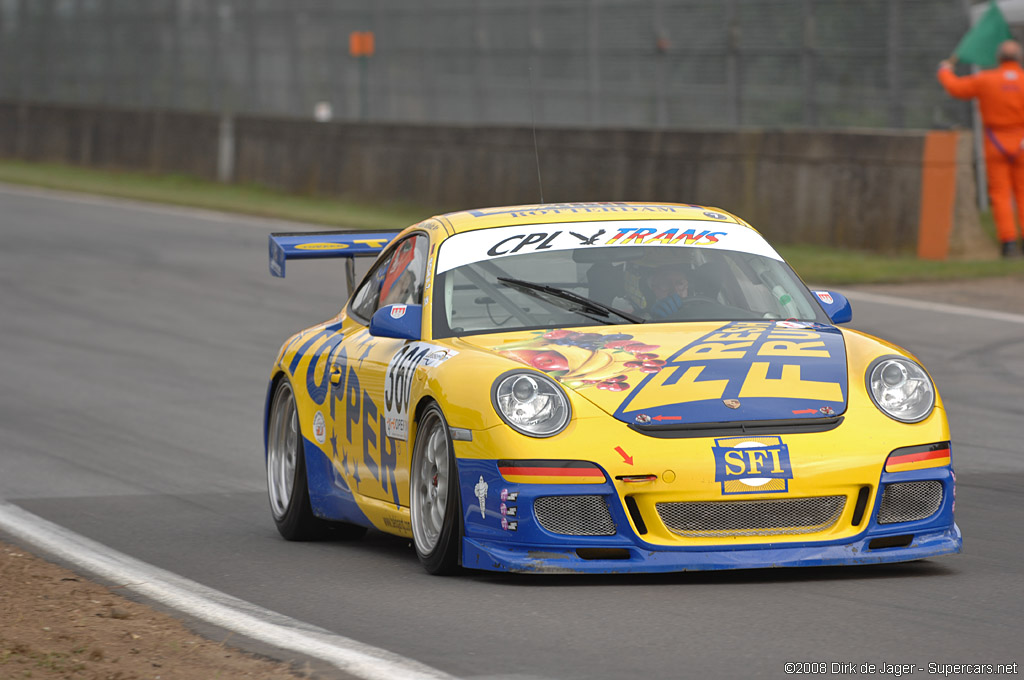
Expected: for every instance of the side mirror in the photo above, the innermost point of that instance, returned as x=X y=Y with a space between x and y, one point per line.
x=836 y=305
x=397 y=321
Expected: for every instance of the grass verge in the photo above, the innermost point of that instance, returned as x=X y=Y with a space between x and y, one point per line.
x=249 y=199
x=821 y=265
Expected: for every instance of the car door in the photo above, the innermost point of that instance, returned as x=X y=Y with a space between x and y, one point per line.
x=376 y=464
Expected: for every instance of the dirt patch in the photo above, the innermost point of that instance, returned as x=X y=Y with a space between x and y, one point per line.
x=57 y=624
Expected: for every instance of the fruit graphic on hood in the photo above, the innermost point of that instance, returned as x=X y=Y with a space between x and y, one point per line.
x=547 y=360
x=588 y=359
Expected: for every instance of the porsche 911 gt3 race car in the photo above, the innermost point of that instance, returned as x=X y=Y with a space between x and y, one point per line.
x=606 y=387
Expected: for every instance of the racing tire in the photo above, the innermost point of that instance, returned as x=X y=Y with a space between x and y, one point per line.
x=286 y=476
x=435 y=503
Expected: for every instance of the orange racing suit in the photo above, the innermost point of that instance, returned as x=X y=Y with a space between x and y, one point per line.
x=1000 y=94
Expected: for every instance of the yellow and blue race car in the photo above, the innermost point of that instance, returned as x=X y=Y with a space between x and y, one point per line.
x=601 y=387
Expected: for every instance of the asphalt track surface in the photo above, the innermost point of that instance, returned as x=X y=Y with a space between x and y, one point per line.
x=136 y=343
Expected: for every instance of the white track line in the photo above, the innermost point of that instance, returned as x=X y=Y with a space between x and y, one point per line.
x=212 y=606
x=957 y=310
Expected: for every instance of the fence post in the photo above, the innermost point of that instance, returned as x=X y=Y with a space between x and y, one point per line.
x=893 y=62
x=593 y=66
x=807 y=72
x=732 y=61
x=226 y=149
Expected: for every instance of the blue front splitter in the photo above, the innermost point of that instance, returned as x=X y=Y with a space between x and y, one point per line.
x=504 y=556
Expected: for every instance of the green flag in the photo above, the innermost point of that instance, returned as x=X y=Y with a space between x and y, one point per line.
x=980 y=44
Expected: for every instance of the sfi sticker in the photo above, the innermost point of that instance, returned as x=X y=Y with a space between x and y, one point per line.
x=319 y=428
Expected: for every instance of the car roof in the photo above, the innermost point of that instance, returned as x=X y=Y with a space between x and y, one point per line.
x=547 y=213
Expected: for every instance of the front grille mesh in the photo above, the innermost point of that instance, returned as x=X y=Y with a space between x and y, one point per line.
x=909 y=501
x=783 y=516
x=574 y=515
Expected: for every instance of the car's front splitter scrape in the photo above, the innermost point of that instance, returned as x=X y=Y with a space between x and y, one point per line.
x=503 y=531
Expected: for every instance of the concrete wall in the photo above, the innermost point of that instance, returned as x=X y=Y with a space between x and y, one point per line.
x=854 y=189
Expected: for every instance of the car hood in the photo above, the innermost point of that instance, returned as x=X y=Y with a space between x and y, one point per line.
x=686 y=373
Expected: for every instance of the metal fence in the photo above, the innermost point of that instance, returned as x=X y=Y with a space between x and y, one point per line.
x=621 y=63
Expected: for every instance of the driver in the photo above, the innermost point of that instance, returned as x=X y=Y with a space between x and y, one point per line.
x=670 y=285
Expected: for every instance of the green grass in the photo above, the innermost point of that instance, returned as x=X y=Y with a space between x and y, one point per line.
x=818 y=265
x=191 y=191
x=832 y=266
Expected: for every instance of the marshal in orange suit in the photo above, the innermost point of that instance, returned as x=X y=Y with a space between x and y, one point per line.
x=1000 y=94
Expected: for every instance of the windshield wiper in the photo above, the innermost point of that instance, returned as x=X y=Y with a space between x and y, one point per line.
x=561 y=293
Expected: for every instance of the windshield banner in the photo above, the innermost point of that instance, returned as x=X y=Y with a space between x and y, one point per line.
x=487 y=244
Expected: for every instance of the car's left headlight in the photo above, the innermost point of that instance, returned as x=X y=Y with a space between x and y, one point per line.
x=531 y=403
x=901 y=389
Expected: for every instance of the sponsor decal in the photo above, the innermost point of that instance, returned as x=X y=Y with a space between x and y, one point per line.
x=400 y=524
x=321 y=246
x=508 y=510
x=588 y=240
x=824 y=296
x=480 y=491
x=715 y=216
x=509 y=526
x=578 y=208
x=319 y=428
x=485 y=244
x=772 y=371
x=752 y=465
x=398 y=382
x=439 y=356
x=792 y=324
x=510 y=496
x=356 y=419
x=398 y=311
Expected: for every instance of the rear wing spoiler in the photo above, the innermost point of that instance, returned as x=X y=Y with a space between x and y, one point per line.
x=306 y=245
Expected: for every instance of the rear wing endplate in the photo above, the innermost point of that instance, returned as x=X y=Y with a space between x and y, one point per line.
x=307 y=245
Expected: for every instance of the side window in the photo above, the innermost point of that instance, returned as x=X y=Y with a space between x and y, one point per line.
x=397 y=279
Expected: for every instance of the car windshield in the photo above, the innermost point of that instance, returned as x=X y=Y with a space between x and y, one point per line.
x=583 y=274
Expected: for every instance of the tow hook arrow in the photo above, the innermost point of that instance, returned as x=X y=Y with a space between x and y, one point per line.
x=625 y=456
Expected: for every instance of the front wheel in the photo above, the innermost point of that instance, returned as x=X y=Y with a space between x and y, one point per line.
x=435 y=502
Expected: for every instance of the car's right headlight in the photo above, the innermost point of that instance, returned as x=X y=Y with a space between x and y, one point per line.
x=531 y=403
x=901 y=389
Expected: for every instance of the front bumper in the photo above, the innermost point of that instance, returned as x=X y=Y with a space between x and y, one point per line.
x=503 y=532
